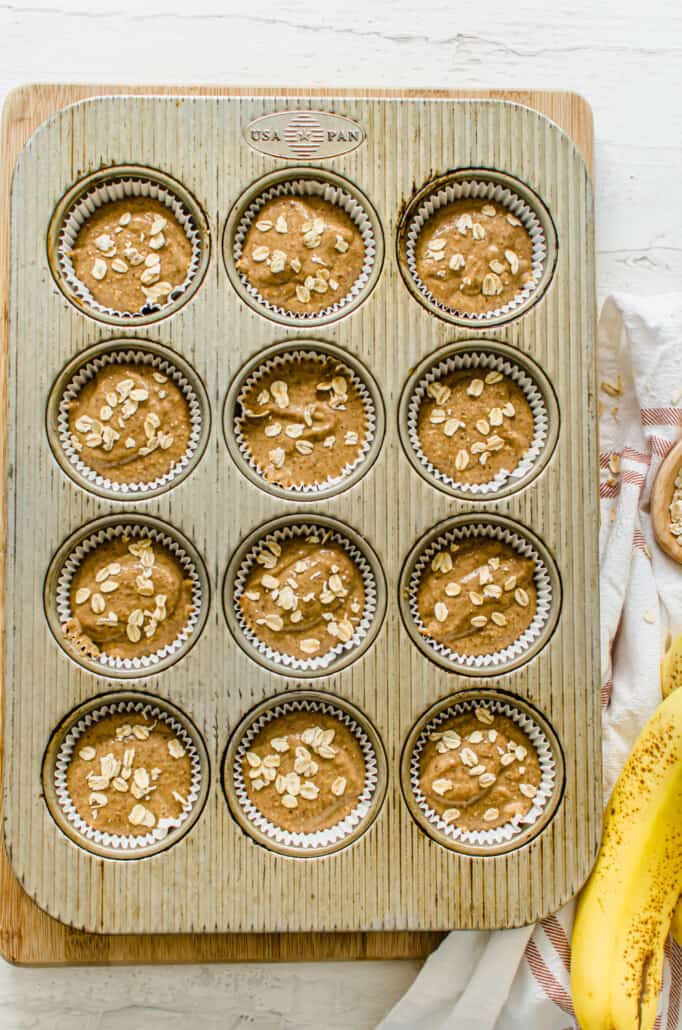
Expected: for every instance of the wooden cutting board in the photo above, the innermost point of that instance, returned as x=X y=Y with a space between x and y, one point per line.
x=27 y=935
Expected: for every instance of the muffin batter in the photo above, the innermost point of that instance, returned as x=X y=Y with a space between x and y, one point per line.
x=130 y=423
x=305 y=596
x=128 y=774
x=304 y=772
x=473 y=425
x=474 y=256
x=479 y=771
x=675 y=507
x=303 y=422
x=477 y=597
x=302 y=253
x=130 y=253
x=129 y=598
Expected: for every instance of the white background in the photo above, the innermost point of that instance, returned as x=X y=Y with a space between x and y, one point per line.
x=624 y=56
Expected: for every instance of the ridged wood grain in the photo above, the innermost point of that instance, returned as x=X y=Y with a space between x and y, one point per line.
x=394 y=878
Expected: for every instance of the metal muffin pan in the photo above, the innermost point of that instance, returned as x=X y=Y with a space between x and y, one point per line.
x=393 y=876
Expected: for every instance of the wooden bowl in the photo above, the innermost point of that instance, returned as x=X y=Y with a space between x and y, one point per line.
x=661 y=497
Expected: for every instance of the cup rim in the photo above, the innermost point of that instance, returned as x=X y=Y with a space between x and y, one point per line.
x=332 y=350
x=346 y=657
x=262 y=185
x=76 y=192
x=234 y=742
x=55 y=741
x=532 y=201
x=83 y=358
x=532 y=832
x=527 y=654
x=54 y=571
x=505 y=351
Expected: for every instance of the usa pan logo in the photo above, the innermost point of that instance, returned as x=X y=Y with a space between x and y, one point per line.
x=301 y=135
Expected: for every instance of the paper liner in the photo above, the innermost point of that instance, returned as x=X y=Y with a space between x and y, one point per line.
x=286 y=533
x=519 y=824
x=279 y=361
x=320 y=838
x=543 y=587
x=79 y=553
x=489 y=362
x=478 y=189
x=164 y=827
x=84 y=375
x=333 y=195
x=118 y=188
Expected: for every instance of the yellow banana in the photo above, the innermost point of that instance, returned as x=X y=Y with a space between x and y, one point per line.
x=671 y=667
x=676 y=926
x=624 y=911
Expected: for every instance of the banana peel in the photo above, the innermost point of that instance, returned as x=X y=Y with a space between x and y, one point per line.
x=671 y=679
x=625 y=910
x=676 y=925
x=671 y=667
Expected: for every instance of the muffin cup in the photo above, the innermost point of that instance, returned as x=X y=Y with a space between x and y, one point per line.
x=64 y=569
x=483 y=362
x=335 y=191
x=59 y=755
x=510 y=195
x=116 y=185
x=280 y=361
x=85 y=372
x=519 y=829
x=546 y=585
x=290 y=528
x=320 y=842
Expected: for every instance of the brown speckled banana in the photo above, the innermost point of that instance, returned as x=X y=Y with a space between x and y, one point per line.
x=671 y=667
x=625 y=910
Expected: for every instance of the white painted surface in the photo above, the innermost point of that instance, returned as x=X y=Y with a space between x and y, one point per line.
x=624 y=57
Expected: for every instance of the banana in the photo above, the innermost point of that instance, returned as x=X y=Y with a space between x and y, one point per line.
x=624 y=911
x=671 y=667
x=676 y=926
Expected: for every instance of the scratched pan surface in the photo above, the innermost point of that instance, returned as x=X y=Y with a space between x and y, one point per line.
x=216 y=878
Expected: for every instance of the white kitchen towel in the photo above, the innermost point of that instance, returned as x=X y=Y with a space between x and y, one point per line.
x=513 y=979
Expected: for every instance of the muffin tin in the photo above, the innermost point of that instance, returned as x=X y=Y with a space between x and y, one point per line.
x=395 y=873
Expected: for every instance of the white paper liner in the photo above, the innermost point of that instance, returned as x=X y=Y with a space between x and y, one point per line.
x=488 y=362
x=102 y=536
x=88 y=372
x=320 y=838
x=478 y=189
x=285 y=533
x=542 y=582
x=333 y=195
x=119 y=188
x=518 y=824
x=164 y=827
x=281 y=360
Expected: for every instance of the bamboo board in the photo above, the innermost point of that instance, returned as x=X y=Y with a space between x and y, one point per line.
x=28 y=935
